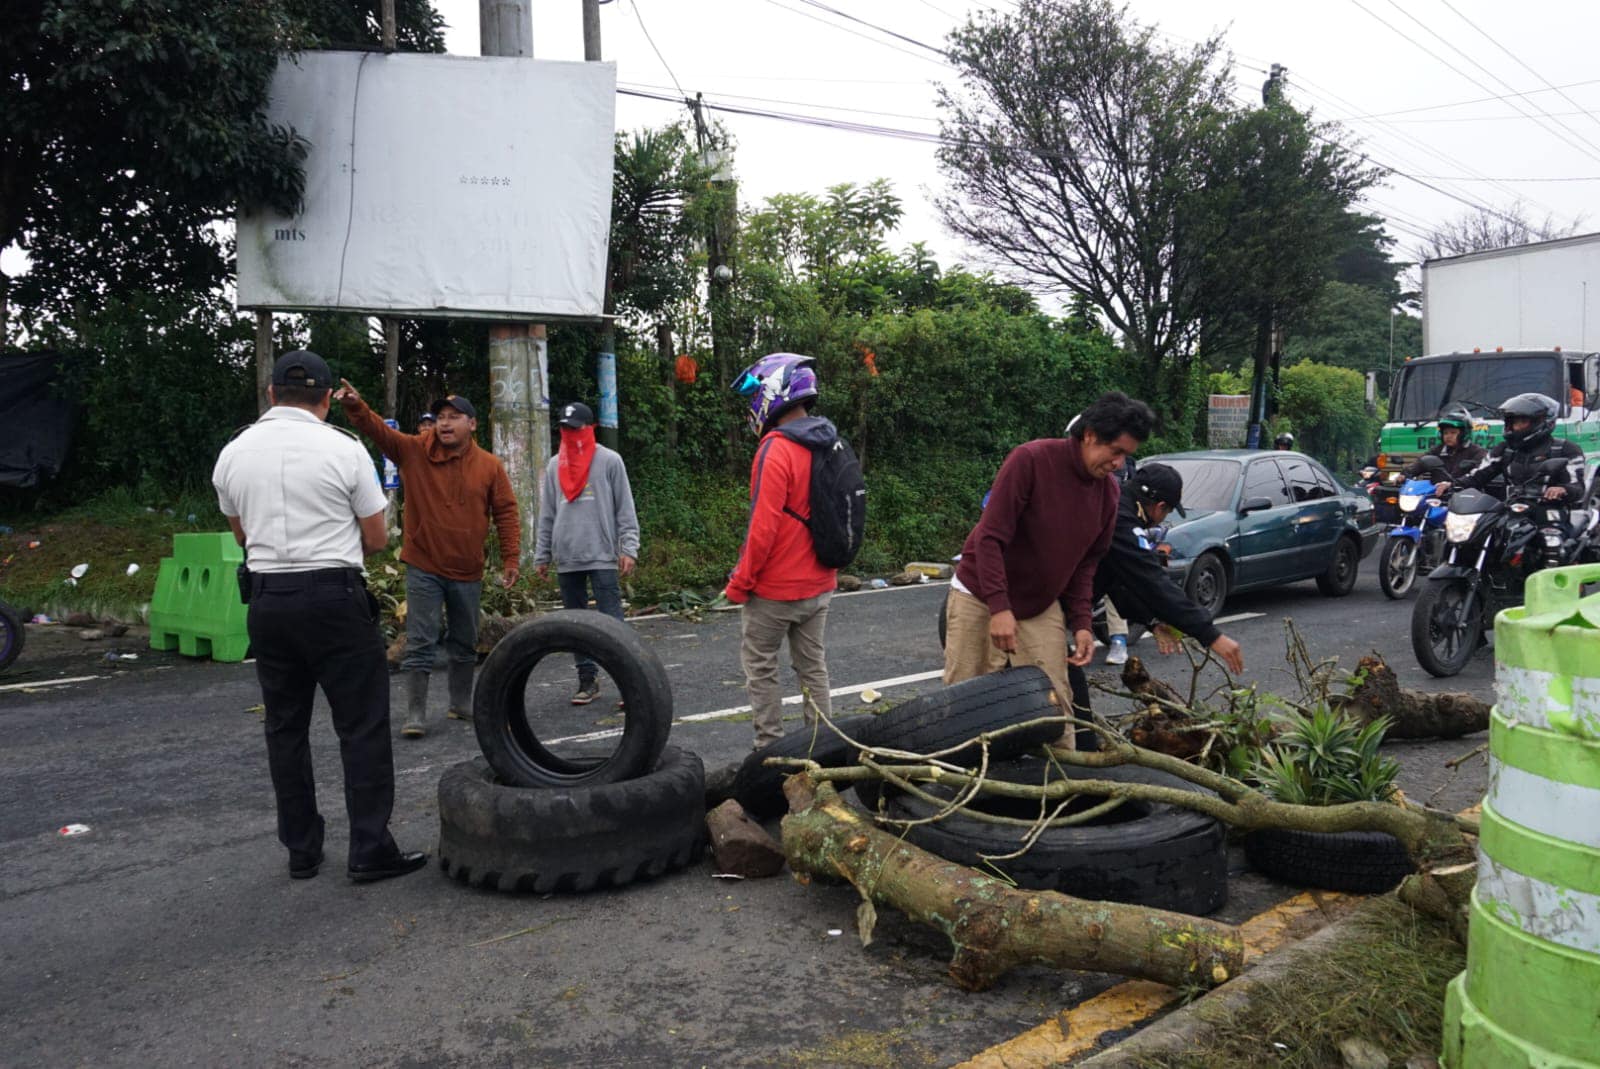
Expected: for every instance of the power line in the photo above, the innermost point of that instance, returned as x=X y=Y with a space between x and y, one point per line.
x=1518 y=59
x=1592 y=151
x=638 y=15
x=1343 y=104
x=820 y=6
x=858 y=33
x=802 y=104
x=1476 y=100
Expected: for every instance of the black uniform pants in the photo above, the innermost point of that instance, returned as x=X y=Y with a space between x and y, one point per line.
x=320 y=628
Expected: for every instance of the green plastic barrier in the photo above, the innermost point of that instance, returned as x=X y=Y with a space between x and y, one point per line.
x=1530 y=995
x=196 y=609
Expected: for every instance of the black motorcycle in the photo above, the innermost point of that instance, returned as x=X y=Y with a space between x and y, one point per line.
x=11 y=635
x=1492 y=548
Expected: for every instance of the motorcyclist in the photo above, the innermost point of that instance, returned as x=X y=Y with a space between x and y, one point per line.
x=1530 y=423
x=1456 y=448
x=1132 y=575
x=1283 y=441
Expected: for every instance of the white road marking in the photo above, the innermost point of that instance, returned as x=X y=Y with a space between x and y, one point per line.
x=50 y=682
x=1236 y=617
x=735 y=710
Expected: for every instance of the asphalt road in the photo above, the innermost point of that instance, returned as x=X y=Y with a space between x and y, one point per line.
x=170 y=934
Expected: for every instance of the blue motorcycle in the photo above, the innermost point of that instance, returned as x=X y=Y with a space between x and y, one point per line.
x=1416 y=543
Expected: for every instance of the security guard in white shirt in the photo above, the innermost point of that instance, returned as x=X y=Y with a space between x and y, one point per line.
x=302 y=497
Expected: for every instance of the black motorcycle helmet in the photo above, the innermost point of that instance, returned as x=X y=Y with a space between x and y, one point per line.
x=1459 y=418
x=1535 y=406
x=1283 y=441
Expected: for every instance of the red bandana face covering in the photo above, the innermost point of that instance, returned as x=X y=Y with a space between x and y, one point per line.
x=577 y=453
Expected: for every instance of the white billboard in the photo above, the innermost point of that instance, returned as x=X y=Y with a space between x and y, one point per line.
x=443 y=186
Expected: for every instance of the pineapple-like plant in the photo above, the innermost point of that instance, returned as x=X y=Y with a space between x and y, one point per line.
x=1326 y=758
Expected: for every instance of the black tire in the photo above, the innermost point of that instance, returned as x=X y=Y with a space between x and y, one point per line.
x=1444 y=640
x=499 y=718
x=964 y=710
x=1162 y=856
x=1343 y=568
x=12 y=635
x=1207 y=584
x=759 y=788
x=1361 y=862
x=1397 y=567
x=571 y=839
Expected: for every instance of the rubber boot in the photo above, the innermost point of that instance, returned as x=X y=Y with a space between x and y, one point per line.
x=461 y=690
x=415 y=725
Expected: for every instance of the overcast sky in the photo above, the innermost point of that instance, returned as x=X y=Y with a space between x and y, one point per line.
x=1410 y=109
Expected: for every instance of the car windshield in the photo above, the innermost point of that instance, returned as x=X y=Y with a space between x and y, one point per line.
x=1427 y=387
x=1208 y=485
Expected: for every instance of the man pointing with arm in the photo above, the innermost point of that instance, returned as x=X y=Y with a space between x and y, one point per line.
x=452 y=491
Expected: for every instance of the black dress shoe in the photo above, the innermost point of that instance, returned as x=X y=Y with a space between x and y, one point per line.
x=399 y=865
x=303 y=867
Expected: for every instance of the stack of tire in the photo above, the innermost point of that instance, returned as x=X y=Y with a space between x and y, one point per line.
x=1146 y=854
x=523 y=818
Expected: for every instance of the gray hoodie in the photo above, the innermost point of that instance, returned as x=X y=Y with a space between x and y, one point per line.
x=590 y=533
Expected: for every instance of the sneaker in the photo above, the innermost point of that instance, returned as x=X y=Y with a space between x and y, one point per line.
x=459 y=714
x=413 y=730
x=587 y=692
x=1117 y=650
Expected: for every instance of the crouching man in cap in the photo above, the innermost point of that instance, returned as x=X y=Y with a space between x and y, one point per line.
x=303 y=499
x=452 y=491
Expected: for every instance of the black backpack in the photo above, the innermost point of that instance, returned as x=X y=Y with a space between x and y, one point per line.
x=838 y=504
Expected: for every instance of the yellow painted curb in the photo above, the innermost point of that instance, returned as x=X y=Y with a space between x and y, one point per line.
x=1078 y=1030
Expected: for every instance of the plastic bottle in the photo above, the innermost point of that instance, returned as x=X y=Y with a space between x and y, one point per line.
x=391 y=474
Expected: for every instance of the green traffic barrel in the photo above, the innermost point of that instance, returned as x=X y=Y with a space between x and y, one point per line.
x=1530 y=994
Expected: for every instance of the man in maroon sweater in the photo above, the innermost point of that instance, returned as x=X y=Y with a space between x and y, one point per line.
x=1026 y=577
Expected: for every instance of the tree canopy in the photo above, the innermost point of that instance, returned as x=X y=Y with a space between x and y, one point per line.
x=130 y=130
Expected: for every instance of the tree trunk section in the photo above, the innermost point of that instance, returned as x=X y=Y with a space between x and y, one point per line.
x=992 y=926
x=1415 y=714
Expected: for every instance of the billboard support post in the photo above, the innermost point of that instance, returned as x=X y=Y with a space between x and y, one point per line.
x=519 y=401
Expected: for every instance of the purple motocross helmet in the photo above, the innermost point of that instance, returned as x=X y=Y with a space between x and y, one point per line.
x=776 y=383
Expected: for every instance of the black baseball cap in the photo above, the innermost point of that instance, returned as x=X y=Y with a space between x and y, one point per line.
x=457 y=402
x=1158 y=482
x=576 y=414
x=302 y=367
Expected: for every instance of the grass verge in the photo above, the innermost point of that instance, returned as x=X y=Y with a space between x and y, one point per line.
x=1383 y=983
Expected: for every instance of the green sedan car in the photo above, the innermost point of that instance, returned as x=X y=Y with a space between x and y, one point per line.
x=1259 y=519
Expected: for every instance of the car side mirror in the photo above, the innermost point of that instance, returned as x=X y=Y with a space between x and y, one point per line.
x=1553 y=465
x=1254 y=504
x=1429 y=462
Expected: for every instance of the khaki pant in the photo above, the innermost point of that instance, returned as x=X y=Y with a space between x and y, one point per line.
x=969 y=652
x=765 y=625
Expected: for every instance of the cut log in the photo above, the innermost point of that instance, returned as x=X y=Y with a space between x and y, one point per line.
x=992 y=926
x=1415 y=714
x=742 y=846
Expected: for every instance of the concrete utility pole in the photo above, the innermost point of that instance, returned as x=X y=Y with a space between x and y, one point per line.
x=605 y=369
x=718 y=267
x=519 y=403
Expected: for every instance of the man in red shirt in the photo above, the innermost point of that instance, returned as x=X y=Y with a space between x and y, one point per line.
x=1026 y=577
x=780 y=582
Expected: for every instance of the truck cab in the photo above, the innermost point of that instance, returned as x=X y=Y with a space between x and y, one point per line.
x=1426 y=386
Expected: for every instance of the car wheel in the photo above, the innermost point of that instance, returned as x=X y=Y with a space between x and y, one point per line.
x=1361 y=862
x=1207 y=585
x=759 y=787
x=1148 y=854
x=11 y=635
x=1340 y=578
x=571 y=839
x=500 y=717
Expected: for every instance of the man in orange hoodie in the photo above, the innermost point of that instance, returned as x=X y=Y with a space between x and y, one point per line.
x=782 y=585
x=452 y=490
